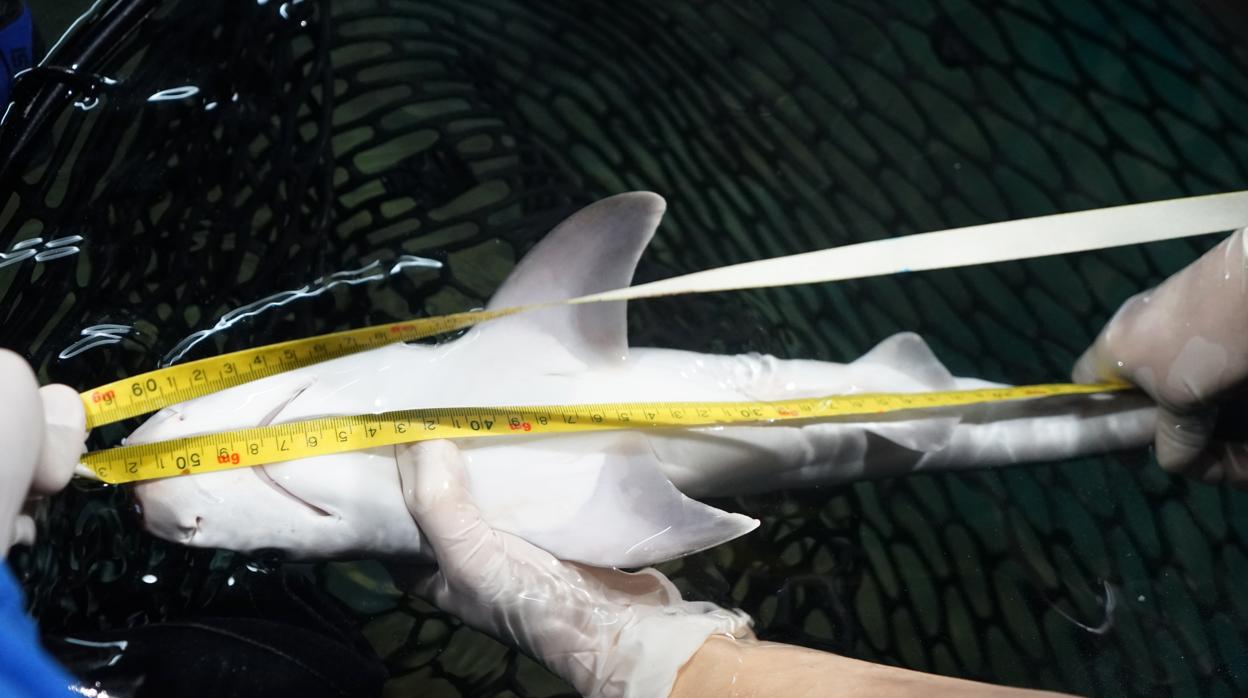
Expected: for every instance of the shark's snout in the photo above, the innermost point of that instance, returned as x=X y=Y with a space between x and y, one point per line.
x=248 y=510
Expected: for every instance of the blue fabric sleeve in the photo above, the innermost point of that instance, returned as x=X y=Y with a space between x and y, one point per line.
x=16 y=51
x=25 y=670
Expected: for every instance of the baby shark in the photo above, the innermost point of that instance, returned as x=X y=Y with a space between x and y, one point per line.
x=618 y=499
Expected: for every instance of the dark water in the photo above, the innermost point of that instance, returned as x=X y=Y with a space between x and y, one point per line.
x=347 y=134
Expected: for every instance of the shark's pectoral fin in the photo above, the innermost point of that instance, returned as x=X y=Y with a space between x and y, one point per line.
x=600 y=499
x=594 y=250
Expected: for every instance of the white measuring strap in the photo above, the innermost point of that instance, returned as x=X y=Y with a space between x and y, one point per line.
x=1025 y=238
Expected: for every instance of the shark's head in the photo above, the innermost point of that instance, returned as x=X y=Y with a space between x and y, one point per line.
x=351 y=504
x=250 y=508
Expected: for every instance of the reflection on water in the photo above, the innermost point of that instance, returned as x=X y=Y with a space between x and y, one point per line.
x=368 y=131
x=95 y=336
x=371 y=272
x=39 y=251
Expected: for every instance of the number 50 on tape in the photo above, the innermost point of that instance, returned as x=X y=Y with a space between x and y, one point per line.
x=328 y=435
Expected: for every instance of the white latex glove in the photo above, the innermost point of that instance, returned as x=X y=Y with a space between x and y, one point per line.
x=607 y=632
x=42 y=435
x=1185 y=343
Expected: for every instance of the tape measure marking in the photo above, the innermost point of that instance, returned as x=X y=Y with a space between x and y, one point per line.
x=319 y=437
x=148 y=392
x=980 y=244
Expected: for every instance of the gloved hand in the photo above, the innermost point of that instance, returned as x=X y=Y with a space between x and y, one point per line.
x=607 y=632
x=42 y=435
x=1185 y=343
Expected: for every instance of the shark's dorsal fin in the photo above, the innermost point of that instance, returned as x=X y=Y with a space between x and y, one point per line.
x=594 y=250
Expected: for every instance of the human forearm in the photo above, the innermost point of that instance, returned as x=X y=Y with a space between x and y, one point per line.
x=743 y=669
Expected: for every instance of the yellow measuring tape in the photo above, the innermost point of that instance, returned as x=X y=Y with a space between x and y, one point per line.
x=1021 y=239
x=154 y=390
x=319 y=437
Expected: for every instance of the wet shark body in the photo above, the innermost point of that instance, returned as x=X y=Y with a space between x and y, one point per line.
x=613 y=499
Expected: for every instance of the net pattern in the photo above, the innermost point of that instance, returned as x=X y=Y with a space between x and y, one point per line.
x=326 y=144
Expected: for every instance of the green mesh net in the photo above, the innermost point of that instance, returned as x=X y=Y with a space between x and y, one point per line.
x=295 y=152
